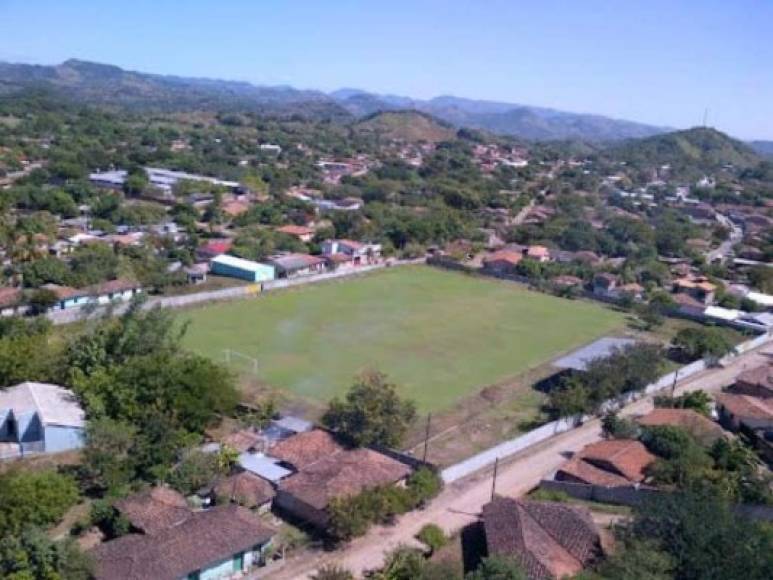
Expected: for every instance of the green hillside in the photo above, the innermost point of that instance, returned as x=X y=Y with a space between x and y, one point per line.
x=699 y=148
x=409 y=126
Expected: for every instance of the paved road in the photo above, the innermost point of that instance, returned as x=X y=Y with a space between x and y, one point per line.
x=736 y=234
x=461 y=502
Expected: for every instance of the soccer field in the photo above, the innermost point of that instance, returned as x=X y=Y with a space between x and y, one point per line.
x=439 y=335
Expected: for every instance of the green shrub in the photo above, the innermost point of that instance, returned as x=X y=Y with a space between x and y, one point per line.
x=432 y=536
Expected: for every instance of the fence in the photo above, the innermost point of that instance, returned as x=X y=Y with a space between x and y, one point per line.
x=548 y=430
x=76 y=314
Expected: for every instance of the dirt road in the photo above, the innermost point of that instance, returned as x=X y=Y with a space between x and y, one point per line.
x=461 y=502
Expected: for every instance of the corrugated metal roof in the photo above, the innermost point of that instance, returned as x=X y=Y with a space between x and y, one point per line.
x=264 y=466
x=602 y=348
x=54 y=404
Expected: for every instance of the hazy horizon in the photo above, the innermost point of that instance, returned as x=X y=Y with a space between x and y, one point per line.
x=653 y=63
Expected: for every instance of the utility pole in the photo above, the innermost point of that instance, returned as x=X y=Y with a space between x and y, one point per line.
x=673 y=385
x=494 y=479
x=426 y=437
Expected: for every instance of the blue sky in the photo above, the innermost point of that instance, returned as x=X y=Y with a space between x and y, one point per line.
x=657 y=62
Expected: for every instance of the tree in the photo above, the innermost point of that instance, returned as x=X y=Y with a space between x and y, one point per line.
x=42 y=300
x=698 y=343
x=498 y=568
x=196 y=470
x=372 y=412
x=38 y=498
x=31 y=555
x=638 y=560
x=704 y=538
x=699 y=401
x=615 y=427
x=108 y=464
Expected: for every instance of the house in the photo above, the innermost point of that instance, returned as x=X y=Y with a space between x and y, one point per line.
x=222 y=542
x=502 y=263
x=587 y=257
x=567 y=281
x=305 y=448
x=11 y=301
x=703 y=429
x=303 y=233
x=737 y=411
x=197 y=273
x=235 y=207
x=213 y=248
x=609 y=463
x=246 y=489
x=633 y=290
x=325 y=470
x=698 y=287
x=549 y=539
x=154 y=509
x=756 y=382
x=294 y=265
x=121 y=289
x=538 y=253
x=359 y=252
x=604 y=284
x=101 y=294
x=233 y=267
x=39 y=418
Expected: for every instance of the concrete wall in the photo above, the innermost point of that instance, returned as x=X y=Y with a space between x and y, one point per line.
x=300 y=510
x=59 y=438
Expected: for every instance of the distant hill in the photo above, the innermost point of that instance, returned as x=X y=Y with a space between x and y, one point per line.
x=109 y=85
x=764 y=148
x=533 y=123
x=700 y=148
x=409 y=126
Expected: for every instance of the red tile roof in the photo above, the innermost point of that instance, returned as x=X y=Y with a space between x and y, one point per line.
x=624 y=456
x=760 y=377
x=506 y=256
x=204 y=539
x=745 y=406
x=550 y=540
x=343 y=474
x=294 y=230
x=702 y=428
x=10 y=297
x=246 y=489
x=242 y=441
x=215 y=247
x=303 y=449
x=580 y=471
x=154 y=509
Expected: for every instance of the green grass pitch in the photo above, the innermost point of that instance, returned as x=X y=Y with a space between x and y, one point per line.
x=439 y=335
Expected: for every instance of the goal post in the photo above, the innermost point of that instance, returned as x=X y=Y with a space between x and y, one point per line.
x=232 y=356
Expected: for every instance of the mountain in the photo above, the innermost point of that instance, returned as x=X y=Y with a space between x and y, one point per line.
x=699 y=148
x=409 y=126
x=534 y=123
x=109 y=85
x=764 y=148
